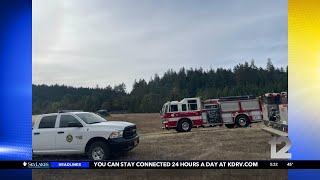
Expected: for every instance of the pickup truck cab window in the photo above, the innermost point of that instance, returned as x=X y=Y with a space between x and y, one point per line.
x=65 y=121
x=91 y=118
x=47 y=122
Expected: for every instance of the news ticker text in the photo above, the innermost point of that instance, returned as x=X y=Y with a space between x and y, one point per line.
x=280 y=164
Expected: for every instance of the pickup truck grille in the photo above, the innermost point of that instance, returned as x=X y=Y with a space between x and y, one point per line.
x=129 y=132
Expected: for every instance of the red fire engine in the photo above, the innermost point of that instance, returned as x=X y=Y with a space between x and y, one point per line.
x=235 y=111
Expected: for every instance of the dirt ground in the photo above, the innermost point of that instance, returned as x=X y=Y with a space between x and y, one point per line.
x=215 y=143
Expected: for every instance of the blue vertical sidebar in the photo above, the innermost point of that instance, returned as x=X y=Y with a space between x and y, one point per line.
x=16 y=84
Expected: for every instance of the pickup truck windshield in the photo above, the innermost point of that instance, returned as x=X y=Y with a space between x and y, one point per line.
x=91 y=118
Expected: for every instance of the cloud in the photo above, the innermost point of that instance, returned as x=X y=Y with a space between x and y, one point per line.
x=84 y=43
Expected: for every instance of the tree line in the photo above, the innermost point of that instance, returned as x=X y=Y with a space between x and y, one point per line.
x=149 y=96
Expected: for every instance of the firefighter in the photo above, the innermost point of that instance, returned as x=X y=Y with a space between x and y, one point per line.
x=272 y=115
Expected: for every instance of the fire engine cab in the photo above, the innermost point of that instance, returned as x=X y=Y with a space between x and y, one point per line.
x=235 y=111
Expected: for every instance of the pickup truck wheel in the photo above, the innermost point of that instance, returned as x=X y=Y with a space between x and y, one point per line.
x=99 y=151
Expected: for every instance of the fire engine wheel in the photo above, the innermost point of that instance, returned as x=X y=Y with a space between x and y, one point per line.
x=242 y=121
x=184 y=126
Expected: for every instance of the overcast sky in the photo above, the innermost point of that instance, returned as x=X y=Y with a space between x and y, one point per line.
x=107 y=42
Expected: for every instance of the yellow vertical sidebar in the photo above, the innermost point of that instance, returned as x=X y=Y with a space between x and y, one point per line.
x=304 y=51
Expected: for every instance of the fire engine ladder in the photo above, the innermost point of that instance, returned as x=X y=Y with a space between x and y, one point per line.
x=234 y=98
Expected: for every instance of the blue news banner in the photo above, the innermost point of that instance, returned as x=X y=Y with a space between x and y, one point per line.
x=280 y=164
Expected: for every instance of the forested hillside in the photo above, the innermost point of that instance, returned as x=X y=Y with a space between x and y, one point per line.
x=149 y=96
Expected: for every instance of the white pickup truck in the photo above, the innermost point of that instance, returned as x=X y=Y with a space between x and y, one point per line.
x=74 y=132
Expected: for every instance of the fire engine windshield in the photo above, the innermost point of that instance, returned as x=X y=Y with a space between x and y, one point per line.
x=166 y=108
x=163 y=109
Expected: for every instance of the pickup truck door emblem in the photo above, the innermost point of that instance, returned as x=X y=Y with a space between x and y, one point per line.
x=79 y=137
x=69 y=138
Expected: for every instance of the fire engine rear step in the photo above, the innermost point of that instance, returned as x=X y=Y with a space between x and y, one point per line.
x=275 y=131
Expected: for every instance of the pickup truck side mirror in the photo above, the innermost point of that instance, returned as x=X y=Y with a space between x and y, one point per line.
x=74 y=124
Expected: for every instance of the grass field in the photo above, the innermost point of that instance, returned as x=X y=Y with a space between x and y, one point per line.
x=217 y=143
